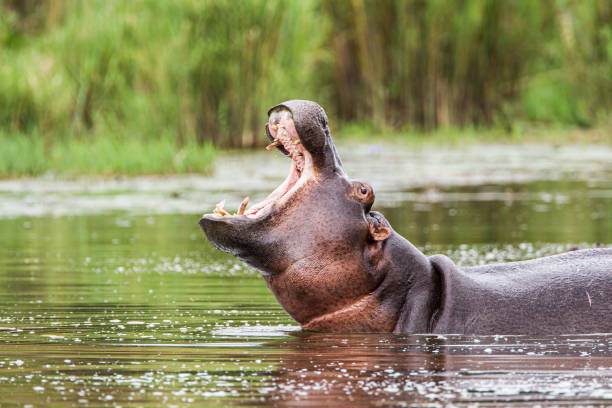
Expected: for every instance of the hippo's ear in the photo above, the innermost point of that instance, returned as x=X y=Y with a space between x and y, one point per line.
x=379 y=228
x=379 y=232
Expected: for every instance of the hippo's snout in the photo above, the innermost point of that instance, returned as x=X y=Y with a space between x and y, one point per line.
x=215 y=230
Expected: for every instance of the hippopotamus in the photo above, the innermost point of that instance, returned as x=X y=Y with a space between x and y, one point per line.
x=336 y=265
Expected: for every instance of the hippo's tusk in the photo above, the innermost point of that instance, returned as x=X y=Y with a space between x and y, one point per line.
x=243 y=206
x=219 y=208
x=275 y=143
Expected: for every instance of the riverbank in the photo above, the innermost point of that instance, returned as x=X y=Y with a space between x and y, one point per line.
x=25 y=156
x=22 y=156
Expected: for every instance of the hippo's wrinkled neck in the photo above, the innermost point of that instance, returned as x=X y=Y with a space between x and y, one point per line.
x=402 y=301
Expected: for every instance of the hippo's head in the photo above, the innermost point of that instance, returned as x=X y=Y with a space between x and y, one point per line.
x=318 y=245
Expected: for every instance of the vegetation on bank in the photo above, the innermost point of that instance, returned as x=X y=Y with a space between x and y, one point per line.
x=24 y=155
x=149 y=86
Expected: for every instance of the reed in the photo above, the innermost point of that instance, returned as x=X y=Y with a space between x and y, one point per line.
x=184 y=74
x=471 y=62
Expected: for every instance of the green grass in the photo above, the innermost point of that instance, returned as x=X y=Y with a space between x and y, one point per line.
x=25 y=156
x=186 y=70
x=22 y=155
x=146 y=86
x=192 y=70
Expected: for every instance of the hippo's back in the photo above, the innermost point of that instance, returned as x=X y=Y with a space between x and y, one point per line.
x=579 y=264
x=566 y=293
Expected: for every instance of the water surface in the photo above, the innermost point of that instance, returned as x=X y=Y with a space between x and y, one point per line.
x=124 y=303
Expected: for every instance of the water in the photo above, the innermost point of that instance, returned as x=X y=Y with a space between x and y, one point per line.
x=110 y=295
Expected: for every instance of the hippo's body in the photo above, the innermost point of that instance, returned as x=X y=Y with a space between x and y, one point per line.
x=566 y=293
x=335 y=265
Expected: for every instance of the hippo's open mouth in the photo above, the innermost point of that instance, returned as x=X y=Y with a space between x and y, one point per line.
x=283 y=135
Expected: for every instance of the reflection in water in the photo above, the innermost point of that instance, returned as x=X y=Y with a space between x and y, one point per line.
x=140 y=311
x=314 y=369
x=514 y=213
x=321 y=369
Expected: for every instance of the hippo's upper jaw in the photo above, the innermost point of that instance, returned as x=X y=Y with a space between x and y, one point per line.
x=298 y=129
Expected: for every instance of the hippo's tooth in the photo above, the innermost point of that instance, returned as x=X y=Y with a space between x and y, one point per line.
x=243 y=206
x=275 y=143
x=220 y=211
x=219 y=208
x=297 y=142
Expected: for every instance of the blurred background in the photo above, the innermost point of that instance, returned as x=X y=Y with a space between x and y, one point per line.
x=484 y=127
x=157 y=86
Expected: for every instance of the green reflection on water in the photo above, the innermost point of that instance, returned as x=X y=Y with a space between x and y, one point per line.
x=559 y=212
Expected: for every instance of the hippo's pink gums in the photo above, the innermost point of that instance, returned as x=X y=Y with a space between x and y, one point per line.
x=335 y=265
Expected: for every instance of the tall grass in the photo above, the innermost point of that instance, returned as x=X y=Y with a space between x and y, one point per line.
x=464 y=62
x=178 y=75
x=146 y=78
x=192 y=70
x=24 y=155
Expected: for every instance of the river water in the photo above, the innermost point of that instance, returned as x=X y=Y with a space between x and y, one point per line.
x=110 y=294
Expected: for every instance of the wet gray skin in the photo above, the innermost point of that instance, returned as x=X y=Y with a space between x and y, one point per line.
x=334 y=265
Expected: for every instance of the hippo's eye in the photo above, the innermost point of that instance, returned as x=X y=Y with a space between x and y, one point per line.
x=364 y=190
